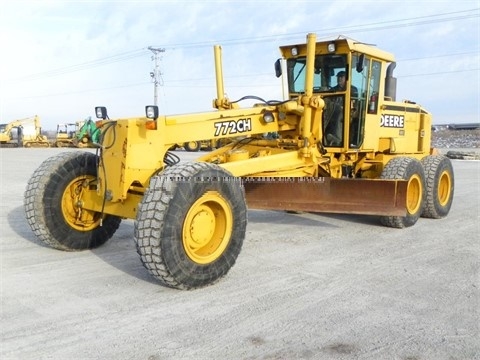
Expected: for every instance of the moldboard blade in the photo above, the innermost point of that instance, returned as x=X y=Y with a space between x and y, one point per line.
x=345 y=196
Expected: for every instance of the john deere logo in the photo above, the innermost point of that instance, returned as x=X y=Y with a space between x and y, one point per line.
x=392 y=121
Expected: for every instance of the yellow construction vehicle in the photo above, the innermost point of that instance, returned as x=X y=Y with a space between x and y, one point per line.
x=29 y=133
x=87 y=134
x=10 y=135
x=325 y=148
x=65 y=136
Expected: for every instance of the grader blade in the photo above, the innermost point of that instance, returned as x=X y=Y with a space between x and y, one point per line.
x=346 y=196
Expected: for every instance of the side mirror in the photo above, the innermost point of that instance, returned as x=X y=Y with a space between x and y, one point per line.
x=359 y=65
x=278 y=68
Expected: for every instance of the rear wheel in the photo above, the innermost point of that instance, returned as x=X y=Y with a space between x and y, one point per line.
x=439 y=180
x=51 y=204
x=192 y=146
x=191 y=225
x=410 y=169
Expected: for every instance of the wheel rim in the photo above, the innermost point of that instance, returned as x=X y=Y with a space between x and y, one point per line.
x=192 y=145
x=444 y=188
x=207 y=228
x=414 y=194
x=76 y=217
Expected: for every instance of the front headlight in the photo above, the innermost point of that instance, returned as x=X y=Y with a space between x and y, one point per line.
x=151 y=111
x=101 y=112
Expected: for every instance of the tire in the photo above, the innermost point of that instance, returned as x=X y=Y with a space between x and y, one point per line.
x=50 y=204
x=409 y=169
x=439 y=181
x=191 y=225
x=192 y=146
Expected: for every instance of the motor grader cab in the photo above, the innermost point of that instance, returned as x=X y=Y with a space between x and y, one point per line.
x=190 y=217
x=29 y=133
x=363 y=115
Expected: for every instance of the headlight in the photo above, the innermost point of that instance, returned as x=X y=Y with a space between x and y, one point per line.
x=151 y=111
x=101 y=112
x=268 y=117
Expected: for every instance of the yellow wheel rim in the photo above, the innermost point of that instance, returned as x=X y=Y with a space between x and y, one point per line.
x=207 y=228
x=192 y=144
x=414 y=194
x=76 y=217
x=444 y=188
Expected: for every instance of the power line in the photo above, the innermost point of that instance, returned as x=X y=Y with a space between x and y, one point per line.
x=213 y=86
x=85 y=91
x=438 y=73
x=382 y=25
x=439 y=56
x=125 y=56
x=391 y=24
x=83 y=66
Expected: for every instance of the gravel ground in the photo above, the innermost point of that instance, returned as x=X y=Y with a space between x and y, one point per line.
x=305 y=286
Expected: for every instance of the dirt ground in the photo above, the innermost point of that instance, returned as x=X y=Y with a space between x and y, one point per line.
x=305 y=286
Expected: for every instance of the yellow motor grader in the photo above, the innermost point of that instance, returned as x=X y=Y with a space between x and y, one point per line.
x=325 y=148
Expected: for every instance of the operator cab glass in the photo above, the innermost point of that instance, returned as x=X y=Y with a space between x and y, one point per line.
x=343 y=97
x=328 y=70
x=324 y=80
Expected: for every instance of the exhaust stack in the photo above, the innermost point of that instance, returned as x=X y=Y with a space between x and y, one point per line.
x=391 y=82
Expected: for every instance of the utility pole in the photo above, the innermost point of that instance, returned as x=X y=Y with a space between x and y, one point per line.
x=155 y=74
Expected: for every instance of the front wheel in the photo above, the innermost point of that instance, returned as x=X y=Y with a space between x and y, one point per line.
x=440 y=186
x=51 y=204
x=191 y=225
x=410 y=169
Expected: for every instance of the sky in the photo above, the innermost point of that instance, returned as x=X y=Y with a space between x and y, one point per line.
x=60 y=59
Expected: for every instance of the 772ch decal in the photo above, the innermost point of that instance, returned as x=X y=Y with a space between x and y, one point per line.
x=233 y=126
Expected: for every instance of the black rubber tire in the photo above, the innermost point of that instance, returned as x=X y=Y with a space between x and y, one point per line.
x=440 y=184
x=410 y=169
x=159 y=227
x=43 y=203
x=192 y=146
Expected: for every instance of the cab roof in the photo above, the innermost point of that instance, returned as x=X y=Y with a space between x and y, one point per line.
x=342 y=46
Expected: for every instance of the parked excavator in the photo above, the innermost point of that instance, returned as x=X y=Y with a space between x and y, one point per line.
x=324 y=148
x=28 y=133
